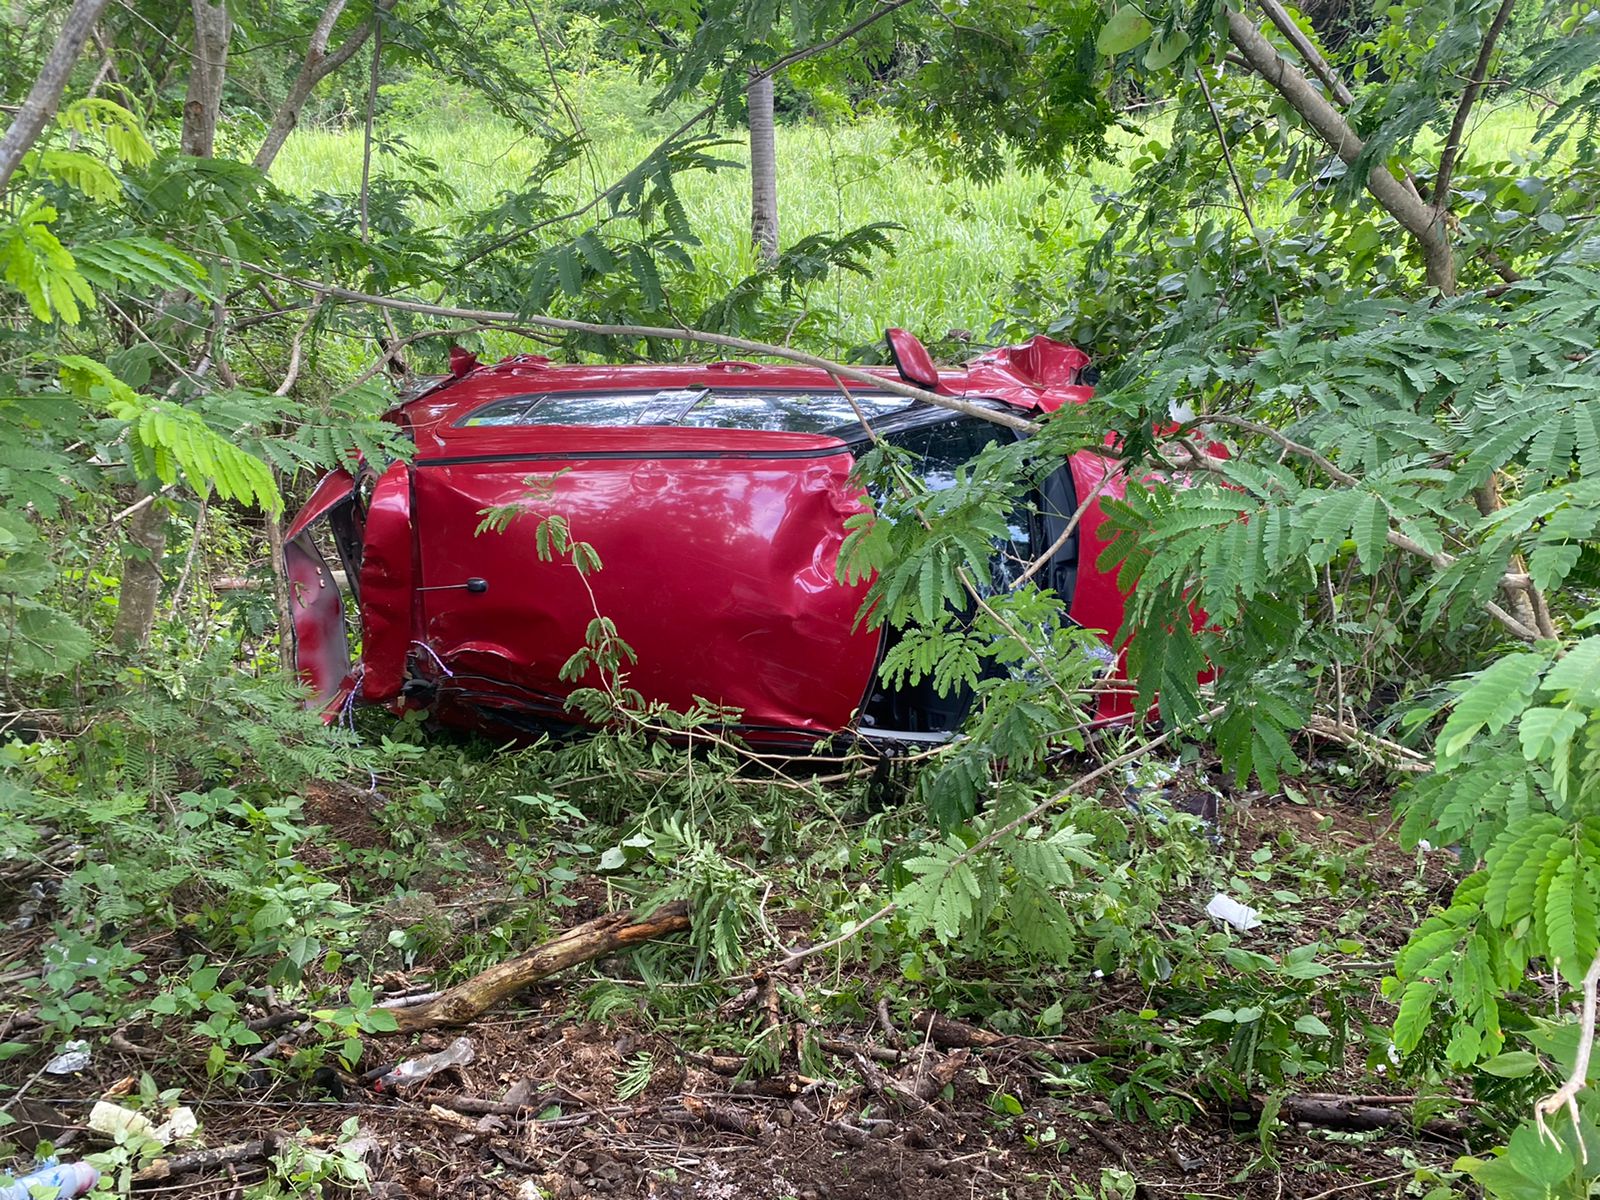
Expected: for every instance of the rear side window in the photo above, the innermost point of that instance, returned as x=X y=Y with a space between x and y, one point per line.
x=763 y=410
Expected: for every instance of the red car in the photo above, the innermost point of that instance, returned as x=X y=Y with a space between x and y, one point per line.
x=716 y=496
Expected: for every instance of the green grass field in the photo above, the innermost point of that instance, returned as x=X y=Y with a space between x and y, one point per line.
x=962 y=246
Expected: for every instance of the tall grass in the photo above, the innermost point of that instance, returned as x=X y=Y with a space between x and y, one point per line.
x=961 y=247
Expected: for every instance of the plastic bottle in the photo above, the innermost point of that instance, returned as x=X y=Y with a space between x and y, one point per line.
x=73 y=1179
x=457 y=1054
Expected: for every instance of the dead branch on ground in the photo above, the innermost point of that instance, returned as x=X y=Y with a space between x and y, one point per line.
x=580 y=944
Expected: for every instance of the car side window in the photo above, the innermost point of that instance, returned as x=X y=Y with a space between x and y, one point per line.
x=944 y=447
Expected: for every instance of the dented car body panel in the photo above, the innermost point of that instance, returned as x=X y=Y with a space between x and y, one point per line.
x=716 y=497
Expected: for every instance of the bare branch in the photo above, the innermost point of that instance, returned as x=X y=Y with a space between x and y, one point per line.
x=1566 y=1096
x=661 y=333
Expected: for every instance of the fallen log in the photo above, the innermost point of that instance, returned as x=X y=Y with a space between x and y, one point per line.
x=580 y=944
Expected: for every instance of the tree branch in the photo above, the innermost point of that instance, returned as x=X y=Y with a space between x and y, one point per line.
x=661 y=333
x=318 y=65
x=45 y=94
x=1307 y=50
x=1458 y=127
x=1566 y=1096
x=1514 y=582
x=1417 y=217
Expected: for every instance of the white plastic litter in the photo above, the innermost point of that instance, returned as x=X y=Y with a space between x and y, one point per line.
x=457 y=1054
x=180 y=1124
x=73 y=1057
x=1241 y=916
x=114 y=1121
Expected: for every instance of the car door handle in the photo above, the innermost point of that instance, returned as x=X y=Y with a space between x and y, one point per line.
x=476 y=585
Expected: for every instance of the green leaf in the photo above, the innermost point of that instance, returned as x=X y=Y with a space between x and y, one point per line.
x=1416 y=1007
x=1576 y=672
x=1370 y=525
x=1127 y=29
x=1535 y=1156
x=1165 y=50
x=1546 y=732
x=1571 y=912
x=1312 y=1025
x=1513 y=1064
x=1492 y=699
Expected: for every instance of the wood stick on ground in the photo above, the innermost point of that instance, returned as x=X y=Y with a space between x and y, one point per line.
x=1346 y=1112
x=580 y=944
x=479 y=1107
x=953 y=1034
x=723 y=1116
x=205 y=1160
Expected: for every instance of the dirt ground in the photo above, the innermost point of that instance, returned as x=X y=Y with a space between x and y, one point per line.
x=538 y=1112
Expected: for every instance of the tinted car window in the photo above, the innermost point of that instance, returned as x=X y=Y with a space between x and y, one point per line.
x=944 y=447
x=768 y=411
x=790 y=412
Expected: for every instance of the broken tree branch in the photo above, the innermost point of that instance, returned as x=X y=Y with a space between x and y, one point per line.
x=580 y=944
x=205 y=1160
x=680 y=333
x=1418 y=218
x=985 y=842
x=1352 y=1112
x=1512 y=582
x=1566 y=1096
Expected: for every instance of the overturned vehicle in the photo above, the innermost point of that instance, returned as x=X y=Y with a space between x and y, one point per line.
x=716 y=495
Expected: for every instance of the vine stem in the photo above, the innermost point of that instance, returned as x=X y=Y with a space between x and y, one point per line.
x=989 y=839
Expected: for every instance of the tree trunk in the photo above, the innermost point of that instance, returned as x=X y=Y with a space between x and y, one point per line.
x=141 y=577
x=203 y=103
x=45 y=94
x=763 y=171
x=319 y=64
x=280 y=590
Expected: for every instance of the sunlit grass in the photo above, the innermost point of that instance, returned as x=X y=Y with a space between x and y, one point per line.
x=962 y=246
